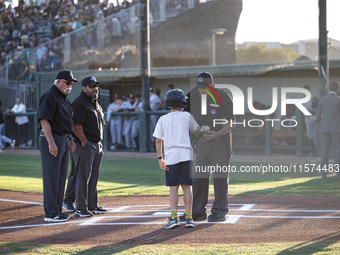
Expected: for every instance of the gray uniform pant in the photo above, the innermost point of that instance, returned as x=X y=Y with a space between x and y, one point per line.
x=127 y=131
x=88 y=160
x=116 y=130
x=210 y=154
x=54 y=171
x=70 y=194
x=328 y=139
x=153 y=121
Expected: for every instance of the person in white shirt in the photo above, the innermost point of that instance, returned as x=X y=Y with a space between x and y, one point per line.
x=115 y=123
x=129 y=106
x=155 y=104
x=173 y=128
x=21 y=121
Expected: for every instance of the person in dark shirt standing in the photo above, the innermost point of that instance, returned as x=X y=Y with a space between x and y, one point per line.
x=56 y=121
x=215 y=150
x=88 y=124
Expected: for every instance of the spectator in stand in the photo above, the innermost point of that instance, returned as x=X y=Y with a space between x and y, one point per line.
x=24 y=42
x=11 y=47
x=3 y=58
x=7 y=35
x=23 y=71
x=31 y=76
x=41 y=55
x=89 y=9
x=53 y=11
x=64 y=28
x=33 y=40
x=116 y=29
x=99 y=12
x=13 y=68
x=2 y=39
x=22 y=122
x=29 y=29
x=54 y=59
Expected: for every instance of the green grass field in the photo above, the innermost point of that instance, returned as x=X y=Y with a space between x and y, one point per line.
x=122 y=176
x=316 y=248
x=126 y=176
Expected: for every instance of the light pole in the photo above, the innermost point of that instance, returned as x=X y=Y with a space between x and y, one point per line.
x=217 y=31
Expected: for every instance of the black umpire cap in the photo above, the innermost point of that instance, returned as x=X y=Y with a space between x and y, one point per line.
x=204 y=78
x=90 y=80
x=66 y=75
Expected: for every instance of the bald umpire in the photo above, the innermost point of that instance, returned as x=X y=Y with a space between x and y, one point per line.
x=56 y=121
x=88 y=124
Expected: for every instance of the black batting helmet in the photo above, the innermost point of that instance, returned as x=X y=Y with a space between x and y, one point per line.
x=175 y=98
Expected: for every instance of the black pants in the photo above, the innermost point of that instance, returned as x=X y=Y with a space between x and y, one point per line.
x=54 y=171
x=70 y=194
x=210 y=154
x=88 y=160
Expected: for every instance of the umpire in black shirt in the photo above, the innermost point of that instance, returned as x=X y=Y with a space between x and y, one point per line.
x=88 y=124
x=56 y=121
x=215 y=150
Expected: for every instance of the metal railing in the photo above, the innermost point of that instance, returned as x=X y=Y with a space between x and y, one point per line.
x=23 y=90
x=144 y=143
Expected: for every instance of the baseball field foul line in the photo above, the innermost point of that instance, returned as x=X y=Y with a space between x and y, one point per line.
x=157 y=212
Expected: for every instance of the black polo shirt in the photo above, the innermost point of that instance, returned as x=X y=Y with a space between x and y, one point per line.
x=214 y=111
x=89 y=114
x=55 y=107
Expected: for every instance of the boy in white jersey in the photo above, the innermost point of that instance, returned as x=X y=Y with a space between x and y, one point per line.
x=173 y=128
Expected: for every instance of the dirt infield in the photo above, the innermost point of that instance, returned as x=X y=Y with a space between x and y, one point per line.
x=136 y=220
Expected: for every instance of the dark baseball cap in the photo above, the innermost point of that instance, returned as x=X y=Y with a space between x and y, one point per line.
x=130 y=96
x=204 y=78
x=66 y=75
x=90 y=80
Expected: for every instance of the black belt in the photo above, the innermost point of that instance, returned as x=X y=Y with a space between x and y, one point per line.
x=64 y=135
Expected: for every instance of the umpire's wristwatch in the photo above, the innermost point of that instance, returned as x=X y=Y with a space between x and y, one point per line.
x=159 y=157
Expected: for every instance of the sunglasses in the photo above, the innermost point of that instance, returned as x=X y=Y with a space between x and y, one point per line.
x=93 y=86
x=68 y=83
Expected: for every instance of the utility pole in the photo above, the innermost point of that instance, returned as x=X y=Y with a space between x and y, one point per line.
x=323 y=52
x=144 y=71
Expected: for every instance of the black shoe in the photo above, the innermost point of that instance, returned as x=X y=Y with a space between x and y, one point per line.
x=83 y=213
x=215 y=217
x=98 y=210
x=57 y=218
x=69 y=208
x=182 y=217
x=194 y=217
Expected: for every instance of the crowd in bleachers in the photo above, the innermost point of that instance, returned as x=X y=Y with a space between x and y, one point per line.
x=31 y=26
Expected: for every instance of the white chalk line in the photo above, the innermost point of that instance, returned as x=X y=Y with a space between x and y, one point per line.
x=21 y=202
x=230 y=219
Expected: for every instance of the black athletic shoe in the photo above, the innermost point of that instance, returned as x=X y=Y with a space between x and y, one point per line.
x=98 y=210
x=69 y=208
x=215 y=217
x=194 y=217
x=58 y=218
x=83 y=213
